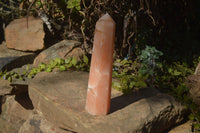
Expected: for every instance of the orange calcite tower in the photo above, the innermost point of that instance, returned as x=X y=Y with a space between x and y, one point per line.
x=100 y=77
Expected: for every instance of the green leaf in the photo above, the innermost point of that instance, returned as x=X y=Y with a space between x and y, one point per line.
x=115 y=74
x=20 y=78
x=51 y=62
x=48 y=69
x=176 y=73
x=39 y=4
x=196 y=125
x=30 y=76
x=16 y=75
x=78 y=8
x=67 y=60
x=124 y=62
x=24 y=72
x=191 y=116
x=59 y=61
x=141 y=84
x=12 y=73
x=34 y=71
x=132 y=84
x=69 y=65
x=28 y=67
x=77 y=67
x=42 y=66
x=85 y=59
x=74 y=4
x=10 y=79
x=118 y=60
x=74 y=61
x=116 y=85
x=62 y=68
x=125 y=70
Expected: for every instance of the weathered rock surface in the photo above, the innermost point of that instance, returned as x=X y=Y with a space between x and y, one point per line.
x=17 y=86
x=197 y=70
x=37 y=124
x=63 y=49
x=15 y=111
x=19 y=37
x=16 y=108
x=8 y=127
x=10 y=59
x=193 y=83
x=15 y=105
x=183 y=128
x=5 y=88
x=60 y=96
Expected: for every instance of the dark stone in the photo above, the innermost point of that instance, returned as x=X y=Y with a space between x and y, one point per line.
x=1 y=31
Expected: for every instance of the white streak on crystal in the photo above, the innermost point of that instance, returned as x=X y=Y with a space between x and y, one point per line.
x=101 y=43
x=92 y=91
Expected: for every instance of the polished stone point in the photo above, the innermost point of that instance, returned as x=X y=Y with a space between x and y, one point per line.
x=100 y=77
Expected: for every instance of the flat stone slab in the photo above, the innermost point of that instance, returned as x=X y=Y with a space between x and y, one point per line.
x=10 y=58
x=61 y=96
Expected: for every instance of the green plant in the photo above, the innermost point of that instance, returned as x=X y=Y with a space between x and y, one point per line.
x=128 y=78
x=136 y=74
x=74 y=4
x=149 y=58
x=171 y=79
x=69 y=63
x=128 y=83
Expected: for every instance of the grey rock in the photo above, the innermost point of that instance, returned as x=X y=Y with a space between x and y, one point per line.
x=60 y=96
x=193 y=83
x=17 y=86
x=63 y=49
x=15 y=111
x=15 y=106
x=10 y=59
x=37 y=124
x=8 y=127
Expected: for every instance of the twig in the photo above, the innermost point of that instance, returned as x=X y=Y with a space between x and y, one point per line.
x=27 y=15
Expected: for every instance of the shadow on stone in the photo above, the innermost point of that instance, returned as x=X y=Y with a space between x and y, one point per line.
x=16 y=61
x=4 y=60
x=24 y=100
x=67 y=130
x=122 y=101
x=1 y=31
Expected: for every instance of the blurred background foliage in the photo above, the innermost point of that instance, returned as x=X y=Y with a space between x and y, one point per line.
x=171 y=26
